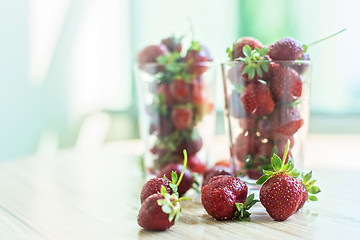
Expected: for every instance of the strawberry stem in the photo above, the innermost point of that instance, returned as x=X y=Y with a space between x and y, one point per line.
x=181 y=199
x=305 y=46
x=183 y=170
x=286 y=152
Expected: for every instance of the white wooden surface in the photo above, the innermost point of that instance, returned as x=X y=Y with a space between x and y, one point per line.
x=95 y=195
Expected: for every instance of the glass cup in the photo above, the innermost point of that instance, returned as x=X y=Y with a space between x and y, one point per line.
x=263 y=113
x=176 y=114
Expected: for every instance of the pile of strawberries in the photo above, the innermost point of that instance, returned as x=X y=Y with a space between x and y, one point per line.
x=265 y=90
x=224 y=197
x=179 y=99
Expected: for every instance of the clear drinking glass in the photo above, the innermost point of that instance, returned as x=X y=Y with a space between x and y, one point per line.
x=263 y=113
x=176 y=114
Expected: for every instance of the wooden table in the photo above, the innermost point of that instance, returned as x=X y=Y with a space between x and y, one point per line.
x=95 y=195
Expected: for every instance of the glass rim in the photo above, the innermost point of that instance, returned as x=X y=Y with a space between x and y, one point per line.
x=202 y=63
x=278 y=61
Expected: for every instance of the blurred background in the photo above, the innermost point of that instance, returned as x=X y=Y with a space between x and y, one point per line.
x=66 y=76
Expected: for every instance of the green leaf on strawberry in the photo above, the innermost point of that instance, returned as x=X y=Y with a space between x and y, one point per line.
x=242 y=212
x=309 y=186
x=255 y=60
x=279 y=166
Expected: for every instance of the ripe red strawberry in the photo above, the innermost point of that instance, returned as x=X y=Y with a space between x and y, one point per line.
x=281 y=196
x=153 y=186
x=182 y=117
x=223 y=196
x=281 y=193
x=198 y=58
x=248 y=123
x=266 y=126
x=282 y=139
x=308 y=190
x=265 y=149
x=286 y=49
x=180 y=90
x=187 y=179
x=286 y=84
x=253 y=174
x=161 y=125
x=287 y=119
x=161 y=210
x=172 y=43
x=256 y=99
x=215 y=171
x=152 y=217
x=246 y=144
x=237 y=50
x=150 y=54
x=195 y=164
x=198 y=91
x=192 y=146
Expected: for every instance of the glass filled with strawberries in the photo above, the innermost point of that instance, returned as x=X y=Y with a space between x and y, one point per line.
x=267 y=102
x=176 y=104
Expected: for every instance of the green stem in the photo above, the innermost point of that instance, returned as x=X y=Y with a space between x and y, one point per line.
x=313 y=43
x=181 y=199
x=183 y=170
x=286 y=151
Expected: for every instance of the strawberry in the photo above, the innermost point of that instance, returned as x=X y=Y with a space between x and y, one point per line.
x=198 y=93
x=182 y=117
x=287 y=119
x=265 y=149
x=197 y=58
x=152 y=217
x=224 y=196
x=187 y=179
x=248 y=123
x=253 y=173
x=256 y=99
x=180 y=90
x=286 y=84
x=282 y=139
x=150 y=54
x=172 y=43
x=246 y=144
x=153 y=186
x=282 y=193
x=308 y=190
x=161 y=210
x=195 y=164
x=215 y=171
x=281 y=196
x=192 y=145
x=161 y=125
x=266 y=126
x=237 y=49
x=286 y=49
